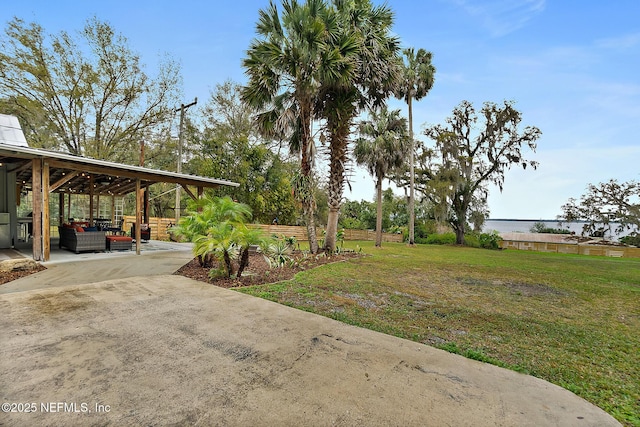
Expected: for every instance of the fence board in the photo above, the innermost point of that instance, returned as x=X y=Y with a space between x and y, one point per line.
x=567 y=248
x=160 y=226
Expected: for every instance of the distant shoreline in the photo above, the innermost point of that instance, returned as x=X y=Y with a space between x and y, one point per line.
x=532 y=220
x=503 y=225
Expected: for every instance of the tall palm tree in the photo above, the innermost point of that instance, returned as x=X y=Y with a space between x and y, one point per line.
x=382 y=147
x=374 y=51
x=416 y=81
x=286 y=65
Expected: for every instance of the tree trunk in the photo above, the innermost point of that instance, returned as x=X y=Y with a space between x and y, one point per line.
x=307 y=200
x=460 y=235
x=244 y=260
x=338 y=152
x=332 y=230
x=412 y=210
x=311 y=233
x=227 y=263
x=379 y=212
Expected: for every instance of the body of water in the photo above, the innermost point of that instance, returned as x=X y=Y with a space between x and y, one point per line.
x=524 y=226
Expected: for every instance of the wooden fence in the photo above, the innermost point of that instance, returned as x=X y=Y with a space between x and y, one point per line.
x=300 y=233
x=568 y=248
x=160 y=226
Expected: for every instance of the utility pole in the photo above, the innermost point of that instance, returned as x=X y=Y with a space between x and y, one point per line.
x=180 y=142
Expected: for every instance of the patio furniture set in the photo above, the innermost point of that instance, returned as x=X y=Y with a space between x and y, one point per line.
x=79 y=237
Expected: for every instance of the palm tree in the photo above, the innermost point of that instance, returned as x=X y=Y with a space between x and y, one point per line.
x=286 y=66
x=416 y=81
x=374 y=52
x=382 y=147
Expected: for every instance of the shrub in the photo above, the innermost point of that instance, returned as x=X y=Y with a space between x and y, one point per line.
x=483 y=240
x=490 y=240
x=540 y=227
x=472 y=240
x=632 y=239
x=440 y=239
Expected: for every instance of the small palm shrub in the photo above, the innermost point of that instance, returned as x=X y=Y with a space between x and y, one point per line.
x=217 y=228
x=277 y=252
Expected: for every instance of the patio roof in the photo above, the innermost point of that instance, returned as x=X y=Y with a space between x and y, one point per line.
x=76 y=175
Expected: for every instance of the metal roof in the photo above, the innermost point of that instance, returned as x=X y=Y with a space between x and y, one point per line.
x=11 y=132
x=75 y=174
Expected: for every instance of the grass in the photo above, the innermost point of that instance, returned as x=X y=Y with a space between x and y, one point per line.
x=569 y=319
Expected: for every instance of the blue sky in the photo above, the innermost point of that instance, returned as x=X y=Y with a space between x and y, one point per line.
x=572 y=67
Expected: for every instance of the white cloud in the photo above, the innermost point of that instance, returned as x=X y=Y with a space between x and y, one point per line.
x=501 y=17
x=625 y=42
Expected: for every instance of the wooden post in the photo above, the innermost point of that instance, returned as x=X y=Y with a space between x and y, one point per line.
x=68 y=206
x=146 y=205
x=36 y=194
x=46 y=216
x=113 y=210
x=139 y=202
x=91 y=200
x=60 y=209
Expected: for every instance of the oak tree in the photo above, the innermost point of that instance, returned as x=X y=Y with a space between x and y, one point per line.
x=89 y=93
x=468 y=155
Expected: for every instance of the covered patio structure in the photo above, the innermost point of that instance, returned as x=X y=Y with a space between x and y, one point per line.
x=46 y=173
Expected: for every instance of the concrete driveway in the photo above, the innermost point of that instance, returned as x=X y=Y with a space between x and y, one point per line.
x=167 y=350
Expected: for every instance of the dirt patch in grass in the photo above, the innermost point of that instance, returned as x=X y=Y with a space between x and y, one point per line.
x=519 y=288
x=259 y=272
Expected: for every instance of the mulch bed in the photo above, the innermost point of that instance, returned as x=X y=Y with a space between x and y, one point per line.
x=8 y=276
x=258 y=272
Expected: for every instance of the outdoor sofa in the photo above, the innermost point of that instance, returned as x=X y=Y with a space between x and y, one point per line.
x=76 y=239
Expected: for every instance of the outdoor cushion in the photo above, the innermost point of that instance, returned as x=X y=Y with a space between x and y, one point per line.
x=119 y=238
x=79 y=230
x=90 y=228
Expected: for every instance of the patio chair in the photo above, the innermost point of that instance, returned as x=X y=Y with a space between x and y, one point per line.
x=117 y=230
x=145 y=232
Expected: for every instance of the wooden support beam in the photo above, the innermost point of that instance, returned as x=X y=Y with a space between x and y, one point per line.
x=60 y=209
x=46 y=216
x=200 y=192
x=113 y=211
x=62 y=181
x=189 y=192
x=36 y=194
x=18 y=193
x=139 y=202
x=91 y=200
x=26 y=165
x=145 y=215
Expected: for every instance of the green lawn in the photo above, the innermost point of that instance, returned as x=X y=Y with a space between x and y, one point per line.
x=572 y=320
